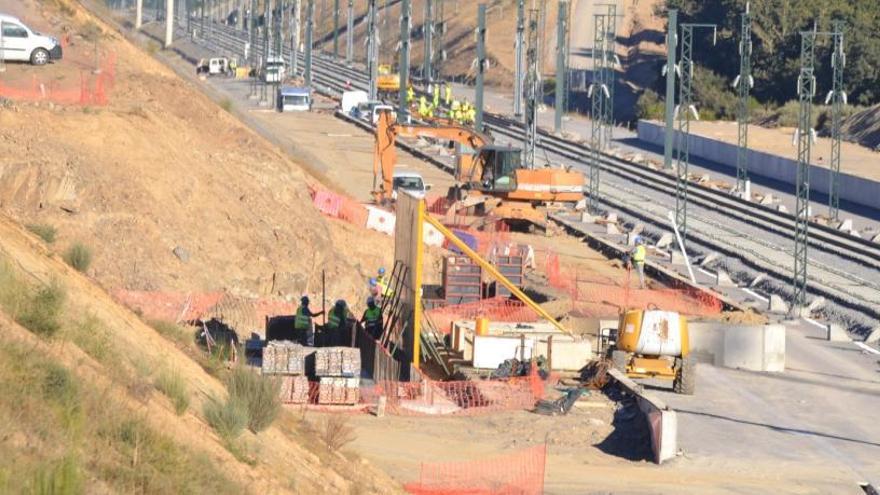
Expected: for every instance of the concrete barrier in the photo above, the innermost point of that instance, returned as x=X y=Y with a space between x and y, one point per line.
x=512 y=340
x=749 y=347
x=662 y=421
x=852 y=188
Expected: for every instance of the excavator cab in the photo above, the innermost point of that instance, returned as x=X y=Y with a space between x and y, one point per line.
x=498 y=165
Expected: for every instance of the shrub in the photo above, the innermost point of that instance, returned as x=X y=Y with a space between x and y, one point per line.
x=41 y=311
x=227 y=418
x=90 y=335
x=336 y=432
x=61 y=478
x=226 y=104
x=649 y=106
x=43 y=231
x=258 y=393
x=79 y=256
x=172 y=385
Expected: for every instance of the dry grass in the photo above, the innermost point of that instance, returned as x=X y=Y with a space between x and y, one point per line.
x=79 y=256
x=172 y=385
x=258 y=393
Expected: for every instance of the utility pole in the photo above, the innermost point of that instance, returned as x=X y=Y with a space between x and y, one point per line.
x=138 y=14
x=743 y=83
x=310 y=25
x=264 y=100
x=405 y=30
x=372 y=49
x=428 y=28
x=169 y=23
x=481 y=64
x=671 y=46
x=597 y=93
x=533 y=81
x=349 y=33
x=336 y=28
x=806 y=88
x=518 y=47
x=837 y=96
x=685 y=110
x=441 y=33
x=561 y=66
x=294 y=36
x=610 y=57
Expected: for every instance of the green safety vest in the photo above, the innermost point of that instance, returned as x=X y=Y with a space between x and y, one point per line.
x=373 y=315
x=302 y=321
x=640 y=254
x=334 y=320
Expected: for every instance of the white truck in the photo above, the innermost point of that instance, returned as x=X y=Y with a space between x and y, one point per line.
x=273 y=71
x=410 y=182
x=21 y=43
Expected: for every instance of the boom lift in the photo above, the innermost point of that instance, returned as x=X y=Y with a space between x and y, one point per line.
x=491 y=179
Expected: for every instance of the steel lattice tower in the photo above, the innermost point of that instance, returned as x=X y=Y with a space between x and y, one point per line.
x=838 y=100
x=671 y=47
x=743 y=84
x=608 y=53
x=518 y=49
x=533 y=82
x=597 y=100
x=806 y=86
x=686 y=98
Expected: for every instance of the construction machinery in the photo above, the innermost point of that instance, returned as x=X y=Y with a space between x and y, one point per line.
x=387 y=82
x=654 y=344
x=490 y=179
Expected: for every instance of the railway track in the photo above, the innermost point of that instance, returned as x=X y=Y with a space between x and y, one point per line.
x=843 y=268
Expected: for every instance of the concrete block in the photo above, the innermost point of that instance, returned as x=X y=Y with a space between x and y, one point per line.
x=709 y=258
x=757 y=280
x=611 y=217
x=774 y=349
x=836 y=333
x=587 y=218
x=638 y=158
x=781 y=209
x=490 y=350
x=665 y=240
x=612 y=229
x=873 y=336
x=703 y=179
x=722 y=279
x=855 y=233
x=756 y=348
x=777 y=305
x=816 y=304
x=638 y=229
x=845 y=225
x=676 y=258
x=581 y=205
x=766 y=200
x=876 y=239
x=565 y=355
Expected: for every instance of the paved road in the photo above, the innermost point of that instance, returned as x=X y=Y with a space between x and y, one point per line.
x=820 y=411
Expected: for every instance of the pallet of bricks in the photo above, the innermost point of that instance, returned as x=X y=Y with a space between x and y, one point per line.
x=338 y=370
x=286 y=361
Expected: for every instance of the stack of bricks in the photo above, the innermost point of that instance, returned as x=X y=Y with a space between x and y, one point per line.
x=286 y=361
x=338 y=369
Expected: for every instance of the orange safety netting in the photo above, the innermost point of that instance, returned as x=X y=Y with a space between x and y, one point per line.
x=87 y=89
x=339 y=206
x=184 y=306
x=495 y=309
x=594 y=295
x=517 y=473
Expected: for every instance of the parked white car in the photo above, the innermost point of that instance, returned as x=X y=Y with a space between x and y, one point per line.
x=410 y=182
x=19 y=42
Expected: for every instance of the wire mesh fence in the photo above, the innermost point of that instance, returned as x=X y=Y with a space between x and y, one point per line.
x=88 y=89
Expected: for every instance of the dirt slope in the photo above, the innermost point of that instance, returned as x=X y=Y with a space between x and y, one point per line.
x=162 y=167
x=135 y=353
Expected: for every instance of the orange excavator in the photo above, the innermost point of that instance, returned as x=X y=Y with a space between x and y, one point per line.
x=490 y=179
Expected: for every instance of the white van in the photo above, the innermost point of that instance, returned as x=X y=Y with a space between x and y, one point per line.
x=19 y=42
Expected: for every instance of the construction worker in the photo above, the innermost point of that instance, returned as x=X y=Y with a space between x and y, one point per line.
x=448 y=99
x=303 y=324
x=337 y=326
x=410 y=94
x=455 y=110
x=423 y=106
x=431 y=107
x=472 y=114
x=436 y=95
x=638 y=256
x=372 y=319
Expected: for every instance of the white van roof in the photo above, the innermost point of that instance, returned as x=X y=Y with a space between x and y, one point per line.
x=5 y=17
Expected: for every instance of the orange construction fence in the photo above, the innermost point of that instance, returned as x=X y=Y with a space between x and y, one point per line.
x=594 y=295
x=495 y=309
x=339 y=206
x=517 y=473
x=90 y=88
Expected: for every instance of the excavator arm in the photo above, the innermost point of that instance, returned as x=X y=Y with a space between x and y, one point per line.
x=385 y=155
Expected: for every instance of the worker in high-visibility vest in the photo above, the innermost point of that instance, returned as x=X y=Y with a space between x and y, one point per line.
x=410 y=94
x=472 y=114
x=302 y=324
x=423 y=106
x=372 y=319
x=436 y=100
x=455 y=110
x=448 y=99
x=638 y=255
x=431 y=110
x=336 y=332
